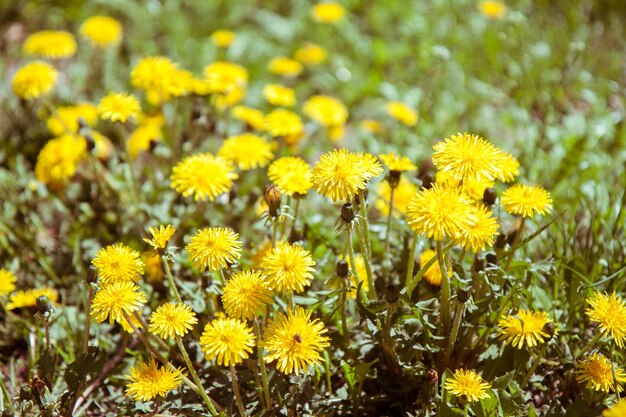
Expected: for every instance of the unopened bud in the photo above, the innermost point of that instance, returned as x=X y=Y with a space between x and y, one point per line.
x=432 y=377
x=427 y=181
x=393 y=178
x=347 y=212
x=500 y=241
x=7 y=413
x=550 y=329
x=479 y=263
x=26 y=393
x=342 y=268
x=489 y=196
x=391 y=293
x=91 y=142
x=43 y=304
x=425 y=168
x=491 y=259
x=272 y=198
x=510 y=238
x=463 y=295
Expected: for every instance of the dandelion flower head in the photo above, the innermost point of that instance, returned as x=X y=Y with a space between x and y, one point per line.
x=493 y=9
x=119 y=107
x=397 y=163
x=526 y=200
x=618 y=410
x=402 y=113
x=102 y=30
x=481 y=230
x=28 y=298
x=279 y=95
x=524 y=328
x=596 y=371
x=118 y=263
x=172 y=320
x=467 y=383
x=285 y=66
x=7 y=281
x=117 y=300
x=609 y=311
x=34 y=80
x=247 y=151
x=203 y=175
x=223 y=38
x=283 y=123
x=328 y=12
x=58 y=160
x=227 y=340
x=289 y=268
x=214 y=248
x=53 y=44
x=223 y=77
x=251 y=117
x=433 y=273
x=65 y=119
x=326 y=110
x=160 y=236
x=246 y=294
x=291 y=174
x=310 y=54
x=148 y=380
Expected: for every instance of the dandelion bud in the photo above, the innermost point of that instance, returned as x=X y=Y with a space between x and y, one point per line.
x=491 y=259
x=393 y=178
x=391 y=294
x=550 y=329
x=342 y=268
x=425 y=168
x=462 y=295
x=92 y=278
x=7 y=413
x=500 y=241
x=479 y=264
x=510 y=238
x=43 y=304
x=432 y=377
x=26 y=393
x=82 y=124
x=91 y=142
x=427 y=181
x=490 y=196
x=272 y=198
x=347 y=212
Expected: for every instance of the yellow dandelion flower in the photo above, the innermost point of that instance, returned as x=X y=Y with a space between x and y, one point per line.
x=118 y=263
x=526 y=327
x=468 y=384
x=223 y=38
x=119 y=107
x=618 y=410
x=65 y=120
x=180 y=83
x=402 y=113
x=493 y=9
x=468 y=157
x=142 y=139
x=229 y=341
x=58 y=160
x=148 y=380
x=214 y=248
x=172 y=320
x=53 y=44
x=596 y=370
x=397 y=163
x=233 y=96
x=160 y=236
x=7 y=281
x=509 y=167
x=116 y=300
x=433 y=273
x=294 y=341
x=247 y=151
x=288 y=268
x=28 y=298
x=222 y=77
x=104 y=147
x=283 y=123
x=246 y=294
x=155 y=74
x=153 y=266
x=328 y=12
x=371 y=126
x=279 y=95
x=439 y=212
x=326 y=110
x=102 y=30
x=403 y=193
x=341 y=174
x=126 y=326
x=251 y=117
x=335 y=133
x=609 y=311
x=310 y=54
x=285 y=66
x=291 y=174
x=204 y=175
x=472 y=187
x=524 y=200
x=34 y=80
x=480 y=232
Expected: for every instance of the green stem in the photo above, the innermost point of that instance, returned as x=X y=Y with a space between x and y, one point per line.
x=458 y=316
x=389 y=224
x=535 y=365
x=87 y=318
x=233 y=377
x=617 y=386
x=445 y=289
x=170 y=279
x=411 y=265
x=194 y=375
x=518 y=234
x=266 y=389
x=342 y=308
x=371 y=291
x=365 y=225
x=353 y=267
x=296 y=210
x=274 y=231
x=589 y=345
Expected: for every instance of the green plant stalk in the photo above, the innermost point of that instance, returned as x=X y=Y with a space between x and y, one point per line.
x=353 y=267
x=515 y=242
x=274 y=231
x=194 y=375
x=389 y=224
x=365 y=225
x=283 y=228
x=458 y=317
x=411 y=265
x=87 y=318
x=617 y=386
x=342 y=309
x=266 y=389
x=233 y=377
x=371 y=291
x=536 y=361
x=589 y=345
x=444 y=305
x=296 y=211
x=170 y=279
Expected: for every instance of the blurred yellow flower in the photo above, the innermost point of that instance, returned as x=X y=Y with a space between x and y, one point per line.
x=7 y=281
x=401 y=197
x=278 y=95
x=291 y=174
x=618 y=410
x=509 y=167
x=283 y=65
x=58 y=160
x=397 y=163
x=148 y=381
x=251 y=117
x=372 y=126
x=227 y=340
x=402 y=113
x=433 y=273
x=310 y=54
x=493 y=9
x=283 y=123
x=102 y=30
x=34 y=80
x=326 y=110
x=223 y=38
x=65 y=119
x=203 y=175
x=328 y=12
x=158 y=76
x=119 y=107
x=247 y=151
x=152 y=265
x=53 y=44
x=142 y=139
x=28 y=298
x=222 y=77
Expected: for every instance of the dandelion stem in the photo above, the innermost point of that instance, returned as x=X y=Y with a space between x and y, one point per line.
x=371 y=290
x=518 y=234
x=445 y=288
x=389 y=224
x=266 y=389
x=353 y=267
x=296 y=210
x=274 y=231
x=617 y=385
x=458 y=316
x=589 y=345
x=411 y=265
x=87 y=318
x=233 y=376
x=536 y=361
x=170 y=279
x=194 y=375
x=366 y=223
x=342 y=308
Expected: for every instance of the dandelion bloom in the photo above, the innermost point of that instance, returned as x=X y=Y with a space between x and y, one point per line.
x=291 y=174
x=397 y=163
x=439 y=212
x=160 y=78
x=7 y=281
x=279 y=95
x=102 y=30
x=148 y=380
x=326 y=110
x=58 y=160
x=328 y=12
x=172 y=320
x=214 y=248
x=246 y=294
x=509 y=167
x=609 y=311
x=65 y=119
x=524 y=200
x=618 y=410
x=404 y=191
x=294 y=341
x=116 y=300
x=468 y=157
x=251 y=117
x=223 y=38
x=526 y=327
x=468 y=384
x=34 y=80
x=493 y=9
x=141 y=139
x=153 y=266
x=310 y=54
x=204 y=175
x=596 y=370
x=341 y=174
x=433 y=273
x=372 y=126
x=474 y=188
x=223 y=77
x=283 y=65
x=227 y=340
x=283 y=123
x=118 y=263
x=402 y=113
x=28 y=298
x=119 y=107
x=54 y=44
x=288 y=267
x=481 y=230
x=160 y=236
x=248 y=151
